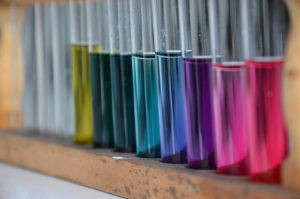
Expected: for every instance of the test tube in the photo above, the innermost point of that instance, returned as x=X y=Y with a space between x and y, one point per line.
x=100 y=73
x=81 y=73
x=56 y=69
x=229 y=87
x=44 y=66
x=197 y=71
x=170 y=80
x=121 y=75
x=266 y=25
x=62 y=63
x=49 y=75
x=28 y=48
x=40 y=69
x=144 y=80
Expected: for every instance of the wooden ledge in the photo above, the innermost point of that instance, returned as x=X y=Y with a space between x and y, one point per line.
x=124 y=174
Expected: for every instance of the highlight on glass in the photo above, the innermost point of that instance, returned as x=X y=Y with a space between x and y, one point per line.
x=121 y=75
x=170 y=81
x=265 y=24
x=144 y=80
x=197 y=72
x=229 y=87
x=100 y=73
x=81 y=74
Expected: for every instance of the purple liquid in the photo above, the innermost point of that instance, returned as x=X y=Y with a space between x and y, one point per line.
x=199 y=112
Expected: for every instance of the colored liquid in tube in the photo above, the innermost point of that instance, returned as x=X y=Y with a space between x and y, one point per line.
x=122 y=103
x=82 y=94
x=199 y=112
x=268 y=139
x=171 y=107
x=146 y=106
x=229 y=97
x=101 y=99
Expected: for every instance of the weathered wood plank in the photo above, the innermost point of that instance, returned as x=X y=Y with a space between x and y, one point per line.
x=124 y=174
x=291 y=98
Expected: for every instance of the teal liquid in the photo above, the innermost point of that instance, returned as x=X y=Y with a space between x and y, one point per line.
x=122 y=103
x=146 y=106
x=101 y=100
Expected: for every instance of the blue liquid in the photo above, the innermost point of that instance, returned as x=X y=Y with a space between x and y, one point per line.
x=146 y=106
x=171 y=107
x=122 y=103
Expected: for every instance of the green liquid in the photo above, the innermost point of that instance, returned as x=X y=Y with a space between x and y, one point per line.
x=101 y=99
x=82 y=95
x=146 y=106
x=122 y=102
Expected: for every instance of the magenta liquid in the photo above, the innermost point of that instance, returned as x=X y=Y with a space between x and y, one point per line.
x=229 y=97
x=267 y=133
x=199 y=112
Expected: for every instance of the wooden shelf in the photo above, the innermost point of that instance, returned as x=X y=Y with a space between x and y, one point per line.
x=124 y=174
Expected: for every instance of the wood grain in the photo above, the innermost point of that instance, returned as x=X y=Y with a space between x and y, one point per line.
x=291 y=98
x=124 y=174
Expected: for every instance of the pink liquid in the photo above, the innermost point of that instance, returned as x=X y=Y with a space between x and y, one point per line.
x=267 y=133
x=229 y=96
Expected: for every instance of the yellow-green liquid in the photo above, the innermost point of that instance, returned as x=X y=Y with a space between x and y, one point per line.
x=82 y=94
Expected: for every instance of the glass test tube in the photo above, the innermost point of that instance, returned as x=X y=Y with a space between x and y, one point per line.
x=121 y=75
x=100 y=73
x=40 y=69
x=266 y=26
x=47 y=40
x=81 y=73
x=60 y=28
x=170 y=81
x=229 y=87
x=55 y=69
x=28 y=48
x=197 y=71
x=144 y=80
x=62 y=62
x=45 y=66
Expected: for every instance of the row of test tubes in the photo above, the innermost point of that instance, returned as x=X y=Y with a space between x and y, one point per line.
x=196 y=81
